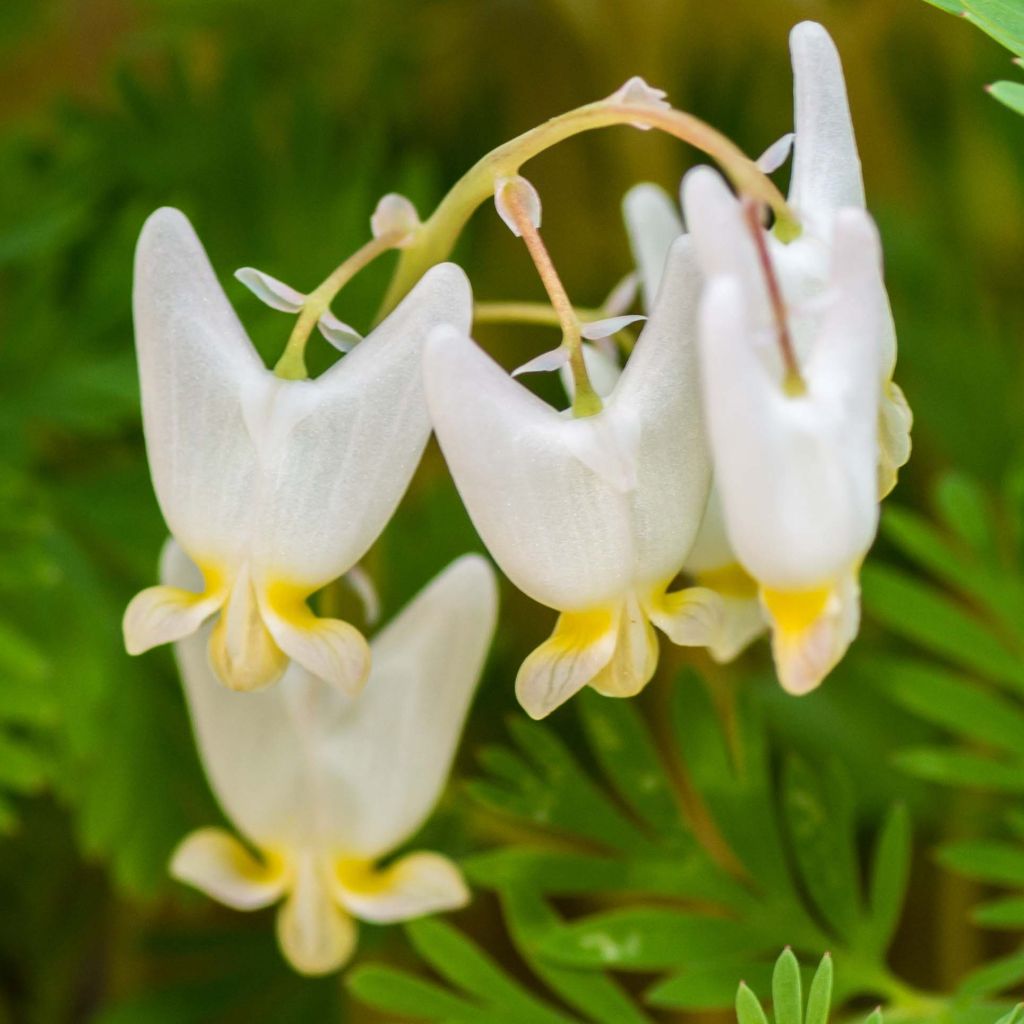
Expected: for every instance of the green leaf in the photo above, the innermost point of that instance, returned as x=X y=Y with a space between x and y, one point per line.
x=912 y=610
x=986 y=860
x=748 y=1007
x=890 y=874
x=707 y=988
x=602 y=999
x=1009 y=93
x=819 y=1000
x=462 y=963
x=996 y=976
x=958 y=768
x=647 y=939
x=630 y=761
x=953 y=702
x=787 y=993
x=1015 y=1016
x=819 y=813
x=1007 y=913
x=393 y=991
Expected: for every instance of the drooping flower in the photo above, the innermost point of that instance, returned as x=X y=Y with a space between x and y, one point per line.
x=653 y=224
x=273 y=487
x=796 y=467
x=321 y=786
x=790 y=468
x=590 y=516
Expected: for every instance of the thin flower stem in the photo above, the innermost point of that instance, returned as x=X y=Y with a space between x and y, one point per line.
x=540 y=313
x=794 y=381
x=436 y=237
x=292 y=364
x=586 y=401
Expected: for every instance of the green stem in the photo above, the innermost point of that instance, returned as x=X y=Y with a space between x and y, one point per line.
x=436 y=237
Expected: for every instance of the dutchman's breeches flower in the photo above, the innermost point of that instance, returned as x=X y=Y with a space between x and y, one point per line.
x=593 y=515
x=653 y=225
x=321 y=785
x=273 y=487
x=796 y=462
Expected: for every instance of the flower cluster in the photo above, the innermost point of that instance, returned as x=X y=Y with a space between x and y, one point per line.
x=725 y=481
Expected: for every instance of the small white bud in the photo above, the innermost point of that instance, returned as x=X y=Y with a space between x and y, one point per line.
x=396 y=215
x=597 y=329
x=545 y=362
x=637 y=93
x=338 y=333
x=519 y=191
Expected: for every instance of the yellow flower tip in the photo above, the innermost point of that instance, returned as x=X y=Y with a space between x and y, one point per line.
x=811 y=630
x=730 y=580
x=582 y=644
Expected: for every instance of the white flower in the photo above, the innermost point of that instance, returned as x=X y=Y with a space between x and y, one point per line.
x=797 y=472
x=273 y=487
x=653 y=224
x=793 y=469
x=591 y=516
x=321 y=786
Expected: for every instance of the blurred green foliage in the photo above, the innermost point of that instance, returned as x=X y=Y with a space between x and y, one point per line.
x=276 y=127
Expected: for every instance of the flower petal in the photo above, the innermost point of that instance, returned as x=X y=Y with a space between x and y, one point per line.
x=330 y=649
x=826 y=166
x=811 y=630
x=896 y=419
x=395 y=215
x=652 y=224
x=216 y=863
x=195 y=364
x=315 y=934
x=340 y=450
x=582 y=644
x=796 y=474
x=741 y=622
x=691 y=617
x=160 y=615
x=635 y=658
x=388 y=752
x=269 y=290
x=415 y=885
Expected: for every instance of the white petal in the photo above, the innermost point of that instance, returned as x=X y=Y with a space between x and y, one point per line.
x=720 y=235
x=653 y=224
x=575 y=539
x=340 y=450
x=390 y=749
x=711 y=549
x=395 y=214
x=895 y=421
x=517 y=189
x=338 y=333
x=300 y=764
x=160 y=615
x=315 y=934
x=776 y=154
x=216 y=863
x=554 y=359
x=622 y=296
x=741 y=622
x=691 y=617
x=567 y=541
x=597 y=329
x=789 y=468
x=635 y=660
x=269 y=290
x=194 y=362
x=826 y=167
x=415 y=885
x=366 y=590
x=330 y=649
x=582 y=644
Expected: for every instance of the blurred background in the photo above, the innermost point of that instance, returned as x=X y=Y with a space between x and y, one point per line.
x=276 y=126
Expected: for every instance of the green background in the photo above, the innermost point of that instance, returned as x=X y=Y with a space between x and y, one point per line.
x=276 y=126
